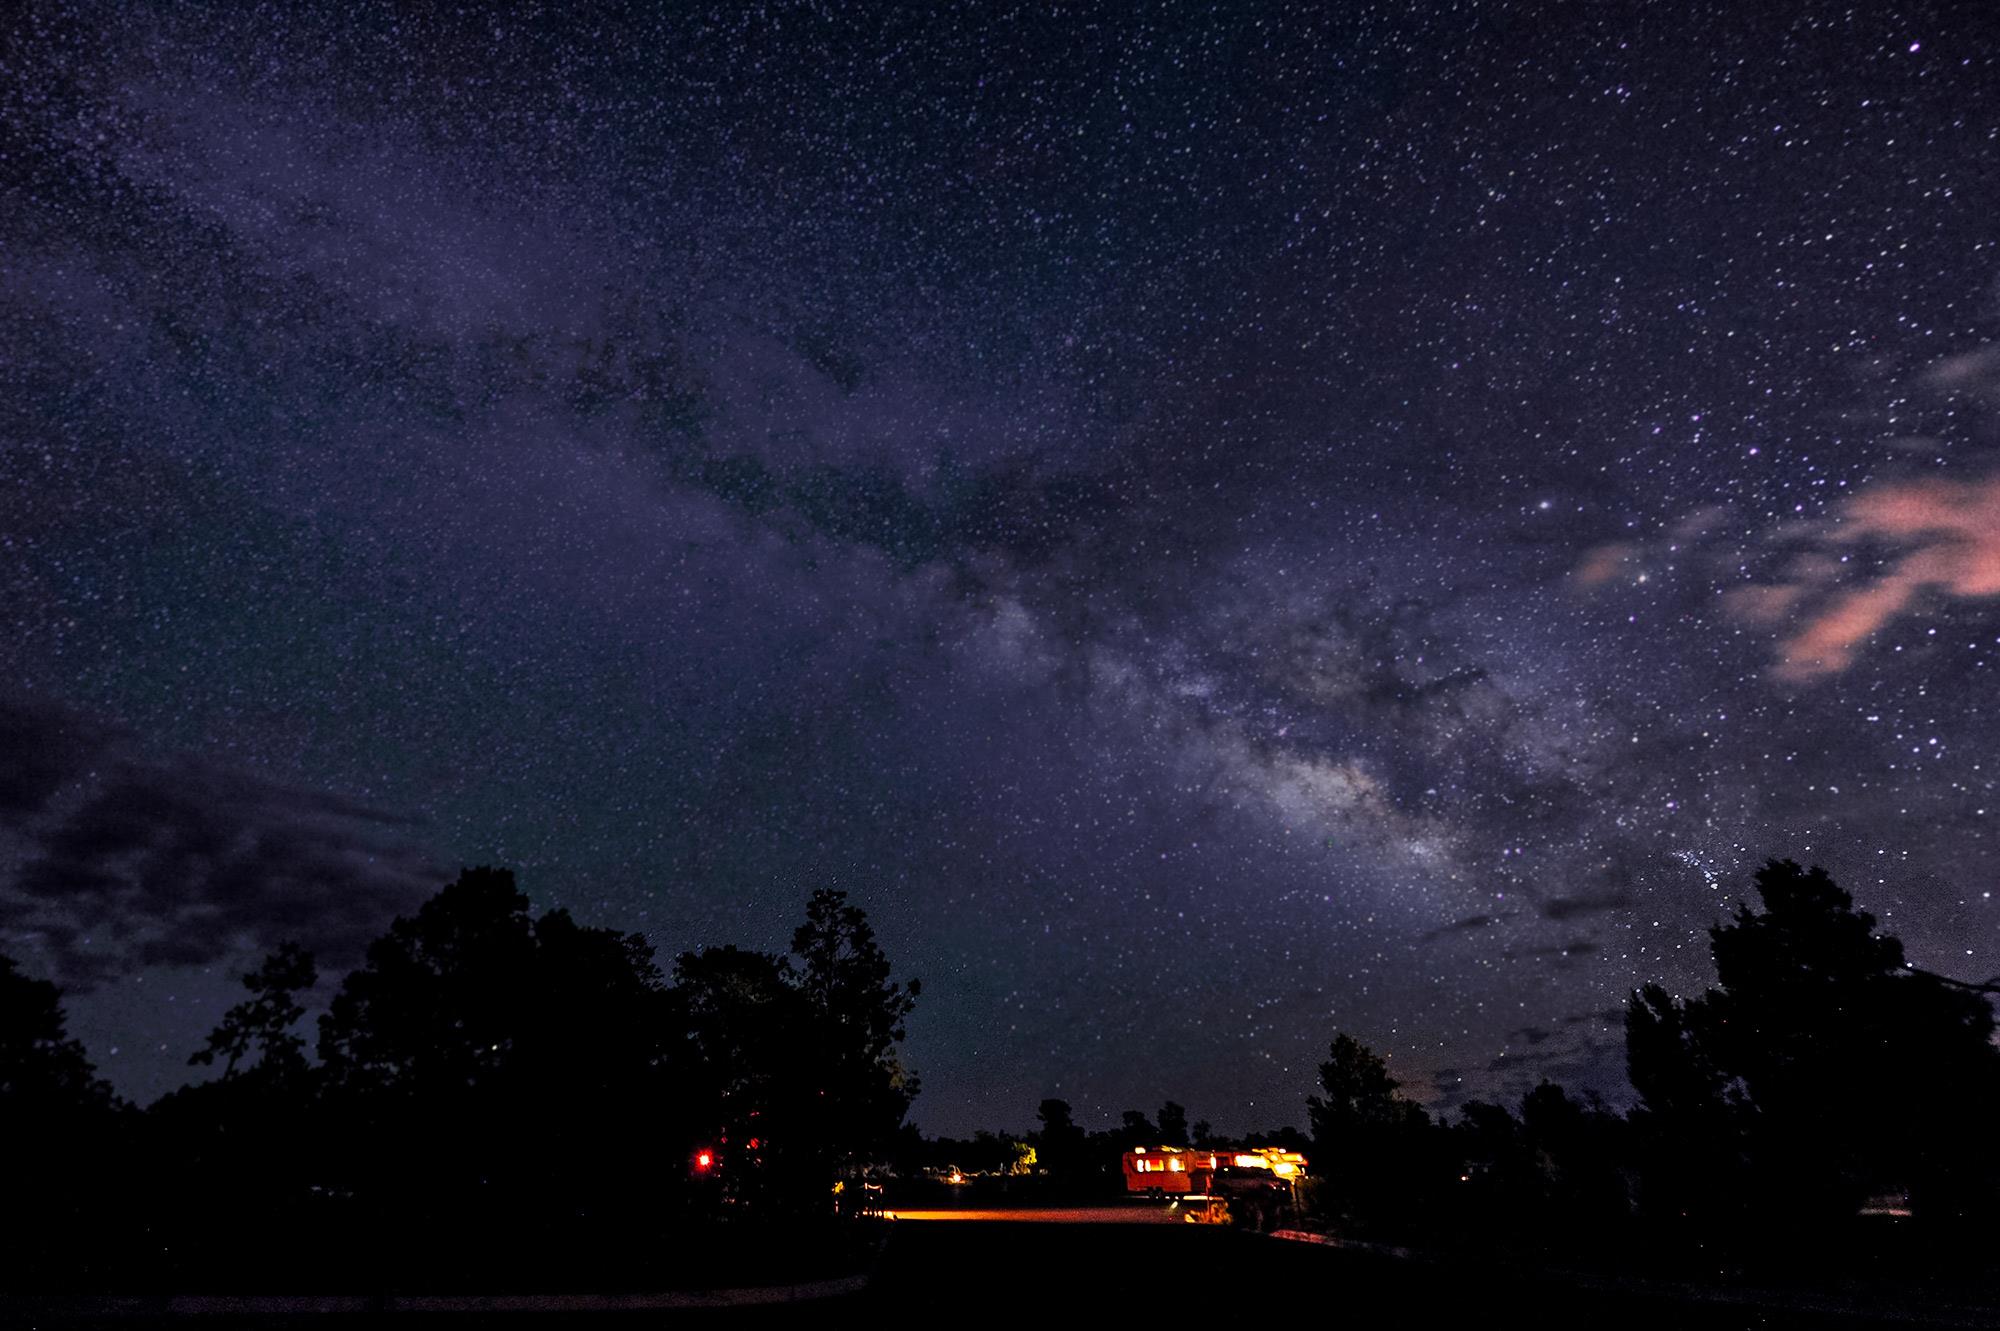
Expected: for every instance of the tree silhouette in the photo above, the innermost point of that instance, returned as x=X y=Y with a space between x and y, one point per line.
x=490 y=1071
x=60 y=1121
x=803 y=1085
x=1359 y=1092
x=751 y=1028
x=1173 y=1125
x=45 y=1076
x=491 y=1087
x=1691 y=1119
x=1492 y=1147
x=1371 y=1146
x=1821 y=1068
x=855 y=1014
x=226 y=1152
x=439 y=999
x=1555 y=1176
x=265 y=1021
x=1578 y=1150
x=1670 y=1067
x=1062 y=1146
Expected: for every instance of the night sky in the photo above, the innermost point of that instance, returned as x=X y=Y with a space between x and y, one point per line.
x=1215 y=524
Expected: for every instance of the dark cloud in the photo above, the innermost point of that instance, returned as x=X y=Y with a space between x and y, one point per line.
x=1595 y=1063
x=43 y=747
x=1470 y=924
x=1530 y=1034
x=1012 y=510
x=1569 y=908
x=1447 y=1088
x=181 y=862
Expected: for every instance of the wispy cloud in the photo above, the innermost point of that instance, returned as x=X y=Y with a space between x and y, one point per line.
x=1569 y=908
x=1947 y=535
x=1470 y=924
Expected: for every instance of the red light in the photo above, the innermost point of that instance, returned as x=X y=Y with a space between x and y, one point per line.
x=704 y=1160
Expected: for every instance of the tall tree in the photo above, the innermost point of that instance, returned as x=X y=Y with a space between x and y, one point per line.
x=45 y=1076
x=1061 y=1145
x=1173 y=1125
x=440 y=996
x=508 y=1065
x=1372 y=1147
x=1833 y=1069
x=60 y=1121
x=856 y=1012
x=1358 y=1094
x=752 y=1031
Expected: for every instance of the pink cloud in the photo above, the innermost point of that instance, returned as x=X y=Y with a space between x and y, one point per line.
x=1949 y=532
x=1604 y=563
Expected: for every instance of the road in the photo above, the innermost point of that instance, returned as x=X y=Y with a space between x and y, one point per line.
x=1057 y=1268
x=1058 y=1215
x=1132 y=1274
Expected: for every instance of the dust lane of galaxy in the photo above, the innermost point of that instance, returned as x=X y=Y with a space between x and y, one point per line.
x=1214 y=524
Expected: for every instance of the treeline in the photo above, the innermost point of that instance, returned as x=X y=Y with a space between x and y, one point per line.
x=1821 y=1081
x=500 y=1099
x=497 y=1097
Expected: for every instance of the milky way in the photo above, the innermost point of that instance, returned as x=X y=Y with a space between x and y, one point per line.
x=1215 y=525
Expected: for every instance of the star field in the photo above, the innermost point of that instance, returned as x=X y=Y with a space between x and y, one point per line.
x=1214 y=524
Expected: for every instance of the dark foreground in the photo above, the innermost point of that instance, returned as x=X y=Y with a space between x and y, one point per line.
x=930 y=1272
x=1141 y=1272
